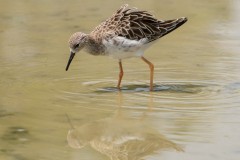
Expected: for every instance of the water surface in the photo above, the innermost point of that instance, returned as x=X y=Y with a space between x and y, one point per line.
x=192 y=114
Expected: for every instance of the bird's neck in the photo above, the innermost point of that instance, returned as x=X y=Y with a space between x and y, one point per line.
x=94 y=47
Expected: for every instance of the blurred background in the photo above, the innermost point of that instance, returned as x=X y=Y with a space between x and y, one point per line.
x=47 y=113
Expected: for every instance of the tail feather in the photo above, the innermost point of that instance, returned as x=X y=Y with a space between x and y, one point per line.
x=170 y=25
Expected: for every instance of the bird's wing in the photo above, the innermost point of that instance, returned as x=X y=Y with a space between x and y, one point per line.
x=135 y=25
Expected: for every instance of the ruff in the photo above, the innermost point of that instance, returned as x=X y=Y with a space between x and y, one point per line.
x=127 y=33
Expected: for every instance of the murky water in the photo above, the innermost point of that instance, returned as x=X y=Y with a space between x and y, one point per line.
x=48 y=113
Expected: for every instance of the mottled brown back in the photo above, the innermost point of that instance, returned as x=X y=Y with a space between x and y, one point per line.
x=135 y=25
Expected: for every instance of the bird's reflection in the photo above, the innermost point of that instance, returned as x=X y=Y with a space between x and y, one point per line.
x=120 y=137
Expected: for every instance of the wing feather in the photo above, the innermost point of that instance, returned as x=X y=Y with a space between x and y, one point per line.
x=135 y=25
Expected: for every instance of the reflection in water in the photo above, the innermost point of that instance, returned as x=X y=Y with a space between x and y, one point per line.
x=120 y=137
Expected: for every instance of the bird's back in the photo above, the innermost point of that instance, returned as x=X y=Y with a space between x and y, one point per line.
x=135 y=25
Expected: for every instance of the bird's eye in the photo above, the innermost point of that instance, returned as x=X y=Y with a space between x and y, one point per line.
x=77 y=45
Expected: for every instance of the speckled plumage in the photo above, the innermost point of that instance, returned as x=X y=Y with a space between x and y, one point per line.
x=135 y=25
x=127 y=33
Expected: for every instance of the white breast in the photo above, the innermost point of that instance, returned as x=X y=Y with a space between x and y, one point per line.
x=121 y=47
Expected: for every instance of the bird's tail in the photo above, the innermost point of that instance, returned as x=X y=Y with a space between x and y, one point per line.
x=170 y=25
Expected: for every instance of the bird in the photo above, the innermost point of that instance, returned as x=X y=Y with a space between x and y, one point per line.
x=127 y=33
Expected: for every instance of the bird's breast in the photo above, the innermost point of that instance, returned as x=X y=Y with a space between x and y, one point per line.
x=121 y=47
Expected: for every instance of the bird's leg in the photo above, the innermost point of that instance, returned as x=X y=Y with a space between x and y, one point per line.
x=151 y=66
x=120 y=74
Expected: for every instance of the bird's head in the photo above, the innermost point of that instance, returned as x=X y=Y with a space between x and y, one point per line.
x=76 y=42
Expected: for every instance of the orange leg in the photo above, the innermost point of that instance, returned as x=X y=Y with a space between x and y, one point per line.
x=151 y=66
x=120 y=74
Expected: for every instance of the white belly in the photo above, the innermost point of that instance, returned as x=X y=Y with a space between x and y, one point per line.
x=121 y=48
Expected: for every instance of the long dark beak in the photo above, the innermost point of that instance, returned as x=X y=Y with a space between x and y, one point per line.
x=70 y=60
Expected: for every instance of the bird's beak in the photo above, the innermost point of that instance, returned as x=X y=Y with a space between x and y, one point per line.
x=70 y=60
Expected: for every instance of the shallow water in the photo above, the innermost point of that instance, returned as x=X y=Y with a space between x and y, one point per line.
x=48 y=113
